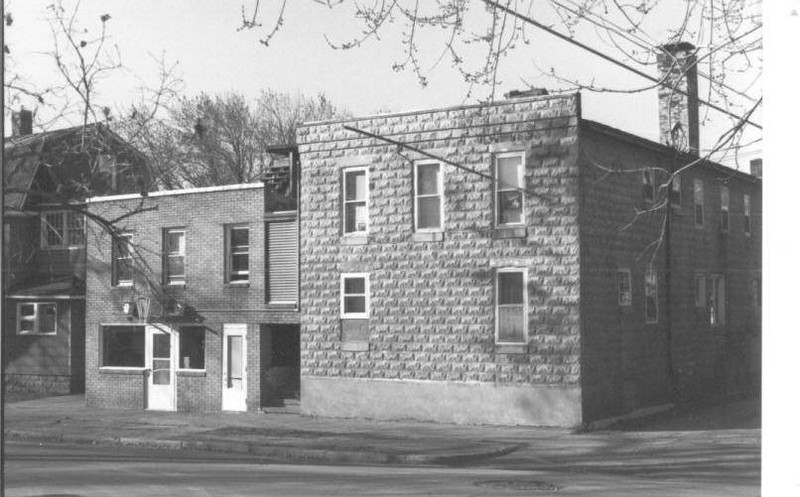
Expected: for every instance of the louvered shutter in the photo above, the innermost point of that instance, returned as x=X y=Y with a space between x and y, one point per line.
x=282 y=262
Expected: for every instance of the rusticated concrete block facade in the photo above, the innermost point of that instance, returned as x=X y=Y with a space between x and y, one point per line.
x=429 y=348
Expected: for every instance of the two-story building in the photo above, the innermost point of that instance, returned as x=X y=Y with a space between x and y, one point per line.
x=192 y=300
x=486 y=263
x=46 y=177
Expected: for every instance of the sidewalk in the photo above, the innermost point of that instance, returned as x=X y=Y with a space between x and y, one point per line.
x=288 y=437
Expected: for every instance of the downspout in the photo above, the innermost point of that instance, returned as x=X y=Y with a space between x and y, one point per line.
x=673 y=382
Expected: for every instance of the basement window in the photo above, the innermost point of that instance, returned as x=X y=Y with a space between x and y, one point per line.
x=354 y=291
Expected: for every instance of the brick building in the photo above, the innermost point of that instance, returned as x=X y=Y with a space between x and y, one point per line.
x=492 y=274
x=46 y=177
x=193 y=304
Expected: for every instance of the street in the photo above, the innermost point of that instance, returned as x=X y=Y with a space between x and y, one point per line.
x=64 y=470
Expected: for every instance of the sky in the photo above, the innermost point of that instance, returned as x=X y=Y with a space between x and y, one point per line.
x=201 y=36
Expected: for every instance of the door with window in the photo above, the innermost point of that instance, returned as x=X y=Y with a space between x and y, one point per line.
x=234 y=367
x=160 y=360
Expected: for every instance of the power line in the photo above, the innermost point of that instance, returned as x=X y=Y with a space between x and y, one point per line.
x=613 y=60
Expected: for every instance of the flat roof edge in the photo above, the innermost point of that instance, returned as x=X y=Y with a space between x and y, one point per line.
x=167 y=193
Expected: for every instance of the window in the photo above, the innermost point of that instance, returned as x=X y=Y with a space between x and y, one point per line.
x=36 y=318
x=699 y=203
x=355 y=296
x=624 y=294
x=511 y=297
x=123 y=260
x=62 y=229
x=651 y=295
x=724 y=209
x=192 y=347
x=675 y=191
x=509 y=193
x=122 y=346
x=238 y=259
x=356 y=198
x=174 y=256
x=649 y=185
x=282 y=262
x=428 y=205
x=716 y=299
x=747 y=222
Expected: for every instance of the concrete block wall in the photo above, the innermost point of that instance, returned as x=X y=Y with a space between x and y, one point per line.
x=628 y=363
x=208 y=300
x=432 y=302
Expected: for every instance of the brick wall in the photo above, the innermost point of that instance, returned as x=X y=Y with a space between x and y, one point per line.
x=628 y=363
x=432 y=311
x=207 y=299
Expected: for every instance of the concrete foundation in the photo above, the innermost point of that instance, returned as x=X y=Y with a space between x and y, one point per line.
x=440 y=401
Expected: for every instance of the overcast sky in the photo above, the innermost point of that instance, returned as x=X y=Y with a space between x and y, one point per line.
x=212 y=56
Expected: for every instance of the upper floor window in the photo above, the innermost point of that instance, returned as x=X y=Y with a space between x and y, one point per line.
x=724 y=209
x=356 y=200
x=63 y=229
x=675 y=191
x=651 y=295
x=699 y=204
x=428 y=187
x=36 y=318
x=747 y=220
x=716 y=302
x=649 y=184
x=175 y=256
x=123 y=260
x=238 y=254
x=624 y=293
x=511 y=298
x=509 y=188
x=354 y=291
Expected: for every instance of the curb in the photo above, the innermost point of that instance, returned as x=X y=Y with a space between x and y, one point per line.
x=277 y=452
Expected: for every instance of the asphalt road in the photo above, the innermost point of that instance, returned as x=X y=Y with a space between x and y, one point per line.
x=63 y=470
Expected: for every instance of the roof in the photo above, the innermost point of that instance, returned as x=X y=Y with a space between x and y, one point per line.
x=66 y=287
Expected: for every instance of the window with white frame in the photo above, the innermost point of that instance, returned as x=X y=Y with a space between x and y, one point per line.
x=675 y=191
x=192 y=347
x=428 y=188
x=237 y=262
x=651 y=295
x=354 y=291
x=724 y=209
x=175 y=256
x=123 y=260
x=624 y=292
x=509 y=184
x=356 y=200
x=747 y=220
x=36 y=318
x=122 y=346
x=511 y=297
x=62 y=229
x=699 y=204
x=649 y=184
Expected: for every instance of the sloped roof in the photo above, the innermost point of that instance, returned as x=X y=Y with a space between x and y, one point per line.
x=67 y=286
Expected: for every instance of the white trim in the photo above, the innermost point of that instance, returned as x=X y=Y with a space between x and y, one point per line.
x=229 y=254
x=121 y=368
x=354 y=315
x=46 y=297
x=35 y=319
x=520 y=188
x=115 y=281
x=345 y=201
x=167 y=193
x=169 y=279
x=439 y=193
x=497 y=272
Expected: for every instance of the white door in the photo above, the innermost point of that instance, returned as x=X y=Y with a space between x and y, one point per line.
x=234 y=367
x=161 y=359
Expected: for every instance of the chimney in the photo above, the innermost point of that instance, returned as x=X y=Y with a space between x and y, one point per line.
x=532 y=92
x=756 y=168
x=677 y=97
x=21 y=122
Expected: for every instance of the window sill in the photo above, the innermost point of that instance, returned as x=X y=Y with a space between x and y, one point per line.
x=282 y=306
x=510 y=232
x=355 y=346
x=427 y=236
x=63 y=247
x=511 y=348
x=121 y=370
x=244 y=284
x=35 y=334
x=354 y=239
x=123 y=285
x=174 y=285
x=196 y=373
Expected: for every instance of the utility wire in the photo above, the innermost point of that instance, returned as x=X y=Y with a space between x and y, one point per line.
x=612 y=60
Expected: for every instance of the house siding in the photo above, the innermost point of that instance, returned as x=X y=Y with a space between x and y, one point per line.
x=431 y=350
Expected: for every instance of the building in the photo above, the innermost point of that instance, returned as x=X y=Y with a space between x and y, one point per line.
x=497 y=272
x=192 y=300
x=46 y=177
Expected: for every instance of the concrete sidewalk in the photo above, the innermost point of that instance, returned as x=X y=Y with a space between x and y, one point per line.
x=286 y=437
